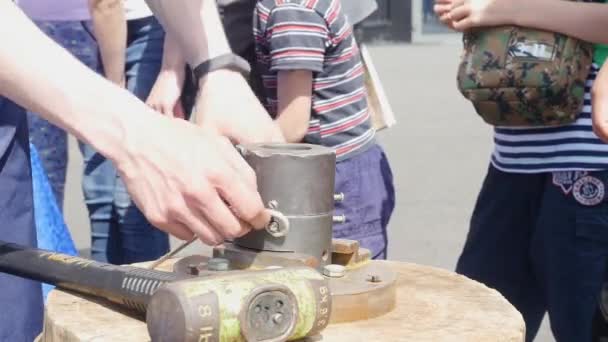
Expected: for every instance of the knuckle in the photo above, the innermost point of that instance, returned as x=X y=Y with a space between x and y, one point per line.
x=157 y=218
x=234 y=231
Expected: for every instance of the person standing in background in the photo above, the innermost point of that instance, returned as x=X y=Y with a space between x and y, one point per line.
x=67 y=22
x=539 y=228
x=131 y=48
x=237 y=19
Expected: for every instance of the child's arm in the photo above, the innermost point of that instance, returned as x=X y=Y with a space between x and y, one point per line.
x=110 y=28
x=297 y=40
x=294 y=95
x=599 y=104
x=586 y=21
x=165 y=94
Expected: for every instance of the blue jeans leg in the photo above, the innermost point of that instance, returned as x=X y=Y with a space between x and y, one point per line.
x=497 y=251
x=51 y=141
x=120 y=230
x=21 y=306
x=98 y=182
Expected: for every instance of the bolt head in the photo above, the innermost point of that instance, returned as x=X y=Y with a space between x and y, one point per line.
x=374 y=279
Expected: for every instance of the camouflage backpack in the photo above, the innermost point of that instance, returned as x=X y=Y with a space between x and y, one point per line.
x=524 y=77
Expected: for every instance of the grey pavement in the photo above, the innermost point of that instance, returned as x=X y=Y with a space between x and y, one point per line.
x=439 y=152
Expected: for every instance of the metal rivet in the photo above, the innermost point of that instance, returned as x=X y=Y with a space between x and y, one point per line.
x=339 y=197
x=339 y=219
x=374 y=279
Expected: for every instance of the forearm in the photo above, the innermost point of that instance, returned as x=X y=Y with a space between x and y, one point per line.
x=195 y=26
x=195 y=34
x=599 y=103
x=586 y=21
x=293 y=129
x=39 y=75
x=173 y=59
x=110 y=29
x=294 y=95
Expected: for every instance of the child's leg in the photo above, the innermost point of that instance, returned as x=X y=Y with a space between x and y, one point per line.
x=569 y=251
x=369 y=198
x=140 y=241
x=497 y=248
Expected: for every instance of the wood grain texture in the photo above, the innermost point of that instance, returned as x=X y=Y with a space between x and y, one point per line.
x=432 y=305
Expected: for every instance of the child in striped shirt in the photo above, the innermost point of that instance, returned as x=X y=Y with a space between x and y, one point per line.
x=539 y=230
x=313 y=81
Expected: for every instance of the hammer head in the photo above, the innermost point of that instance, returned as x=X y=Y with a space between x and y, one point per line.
x=269 y=305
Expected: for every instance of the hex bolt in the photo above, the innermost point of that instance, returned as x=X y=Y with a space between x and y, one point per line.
x=339 y=219
x=339 y=197
x=218 y=264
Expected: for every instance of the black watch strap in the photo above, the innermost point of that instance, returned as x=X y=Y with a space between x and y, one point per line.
x=228 y=61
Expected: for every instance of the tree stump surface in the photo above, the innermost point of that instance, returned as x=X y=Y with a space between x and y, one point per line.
x=432 y=305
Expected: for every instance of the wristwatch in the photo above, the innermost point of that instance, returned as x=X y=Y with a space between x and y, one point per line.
x=229 y=61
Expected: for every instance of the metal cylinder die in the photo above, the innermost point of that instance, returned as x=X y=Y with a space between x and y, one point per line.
x=296 y=180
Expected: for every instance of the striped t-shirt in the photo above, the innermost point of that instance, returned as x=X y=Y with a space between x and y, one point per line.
x=315 y=35
x=563 y=148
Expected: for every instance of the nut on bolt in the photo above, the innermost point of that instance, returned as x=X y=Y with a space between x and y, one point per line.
x=218 y=264
x=334 y=271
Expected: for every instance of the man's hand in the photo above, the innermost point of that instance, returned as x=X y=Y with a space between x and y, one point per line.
x=462 y=15
x=187 y=180
x=165 y=94
x=184 y=179
x=227 y=105
x=110 y=29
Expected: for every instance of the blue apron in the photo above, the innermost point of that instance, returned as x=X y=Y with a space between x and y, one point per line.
x=21 y=307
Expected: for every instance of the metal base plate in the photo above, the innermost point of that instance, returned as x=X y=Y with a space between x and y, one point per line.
x=367 y=289
x=364 y=292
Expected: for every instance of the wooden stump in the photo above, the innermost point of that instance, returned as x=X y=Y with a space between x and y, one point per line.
x=432 y=305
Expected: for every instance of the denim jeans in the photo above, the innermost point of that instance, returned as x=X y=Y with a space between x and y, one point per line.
x=21 y=306
x=120 y=233
x=51 y=141
x=366 y=181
